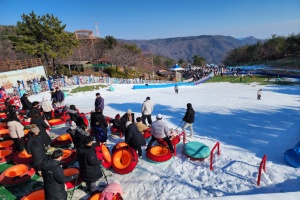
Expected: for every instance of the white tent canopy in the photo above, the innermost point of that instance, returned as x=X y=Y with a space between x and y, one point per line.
x=176 y=68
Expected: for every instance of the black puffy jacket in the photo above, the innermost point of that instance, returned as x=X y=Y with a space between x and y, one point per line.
x=36 y=148
x=189 y=116
x=133 y=137
x=98 y=119
x=41 y=124
x=89 y=164
x=54 y=179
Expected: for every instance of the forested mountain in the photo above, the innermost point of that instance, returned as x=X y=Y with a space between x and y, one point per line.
x=211 y=47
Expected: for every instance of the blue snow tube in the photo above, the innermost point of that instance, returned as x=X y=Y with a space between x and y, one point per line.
x=196 y=150
x=292 y=157
x=111 y=88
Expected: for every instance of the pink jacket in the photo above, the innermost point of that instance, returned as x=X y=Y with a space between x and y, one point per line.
x=111 y=190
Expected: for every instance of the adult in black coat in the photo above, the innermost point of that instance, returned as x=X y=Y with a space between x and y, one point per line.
x=189 y=119
x=41 y=124
x=36 y=148
x=134 y=138
x=98 y=119
x=34 y=109
x=54 y=178
x=128 y=116
x=26 y=104
x=60 y=97
x=89 y=164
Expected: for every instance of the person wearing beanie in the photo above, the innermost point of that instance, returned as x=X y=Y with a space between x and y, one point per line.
x=147 y=109
x=189 y=119
x=99 y=102
x=134 y=138
x=160 y=130
x=36 y=148
x=128 y=116
x=54 y=178
x=15 y=128
x=89 y=165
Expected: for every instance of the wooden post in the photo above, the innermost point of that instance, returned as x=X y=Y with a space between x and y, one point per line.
x=20 y=64
x=26 y=63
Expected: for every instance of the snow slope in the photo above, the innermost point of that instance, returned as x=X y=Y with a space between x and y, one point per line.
x=246 y=128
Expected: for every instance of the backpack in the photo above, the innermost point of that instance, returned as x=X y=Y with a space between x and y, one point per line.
x=100 y=134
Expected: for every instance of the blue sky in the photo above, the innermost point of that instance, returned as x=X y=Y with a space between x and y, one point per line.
x=152 y=19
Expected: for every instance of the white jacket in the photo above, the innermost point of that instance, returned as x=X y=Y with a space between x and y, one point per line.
x=46 y=105
x=16 y=129
x=147 y=107
x=159 y=129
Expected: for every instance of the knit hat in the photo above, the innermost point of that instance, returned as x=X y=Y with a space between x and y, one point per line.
x=129 y=111
x=34 y=128
x=128 y=123
x=87 y=140
x=159 y=116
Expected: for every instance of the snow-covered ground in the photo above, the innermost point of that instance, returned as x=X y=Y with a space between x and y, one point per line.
x=246 y=128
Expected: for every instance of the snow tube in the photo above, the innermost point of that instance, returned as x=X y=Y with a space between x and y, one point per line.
x=34 y=195
x=103 y=154
x=71 y=184
x=55 y=123
x=292 y=157
x=111 y=88
x=196 y=150
x=107 y=119
x=4 y=133
x=7 y=144
x=69 y=156
x=2 y=115
x=22 y=112
x=62 y=140
x=159 y=154
x=115 y=130
x=26 y=131
x=22 y=158
x=3 y=125
x=118 y=146
x=98 y=196
x=16 y=174
x=124 y=160
x=147 y=133
x=6 y=155
x=26 y=124
x=175 y=140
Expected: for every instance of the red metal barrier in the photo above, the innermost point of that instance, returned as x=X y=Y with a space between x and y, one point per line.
x=211 y=154
x=184 y=141
x=261 y=166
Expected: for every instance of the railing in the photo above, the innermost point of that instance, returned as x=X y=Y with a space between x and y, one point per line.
x=211 y=154
x=261 y=166
x=10 y=65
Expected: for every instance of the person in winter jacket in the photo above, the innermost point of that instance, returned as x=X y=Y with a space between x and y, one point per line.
x=160 y=130
x=147 y=110
x=36 y=148
x=111 y=190
x=16 y=130
x=54 y=178
x=99 y=125
x=78 y=134
x=59 y=97
x=189 y=119
x=89 y=164
x=99 y=102
x=176 y=89
x=53 y=95
x=47 y=107
x=128 y=116
x=140 y=126
x=41 y=124
x=34 y=109
x=259 y=93
x=26 y=104
x=134 y=138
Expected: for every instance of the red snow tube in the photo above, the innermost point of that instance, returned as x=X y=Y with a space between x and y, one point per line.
x=107 y=119
x=22 y=158
x=124 y=160
x=35 y=195
x=147 y=133
x=4 y=133
x=23 y=112
x=69 y=156
x=62 y=140
x=26 y=124
x=16 y=174
x=7 y=144
x=98 y=196
x=104 y=155
x=3 y=125
x=71 y=184
x=175 y=140
x=159 y=154
x=56 y=122
x=2 y=115
x=118 y=146
x=115 y=130
x=6 y=155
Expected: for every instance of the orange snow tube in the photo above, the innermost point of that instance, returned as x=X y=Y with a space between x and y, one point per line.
x=2 y=115
x=118 y=146
x=71 y=184
x=62 y=140
x=22 y=158
x=6 y=155
x=159 y=154
x=4 y=133
x=124 y=160
x=7 y=144
x=35 y=195
x=98 y=196
x=147 y=133
x=175 y=140
x=69 y=156
x=16 y=174
x=103 y=154
x=55 y=123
